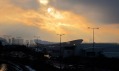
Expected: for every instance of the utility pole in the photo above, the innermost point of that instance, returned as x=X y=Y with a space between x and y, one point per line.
x=93 y=36
x=60 y=35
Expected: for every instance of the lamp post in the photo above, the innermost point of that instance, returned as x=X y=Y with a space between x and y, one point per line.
x=60 y=35
x=93 y=36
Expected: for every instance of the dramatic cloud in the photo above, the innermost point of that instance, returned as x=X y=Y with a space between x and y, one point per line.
x=101 y=11
x=46 y=17
x=50 y=17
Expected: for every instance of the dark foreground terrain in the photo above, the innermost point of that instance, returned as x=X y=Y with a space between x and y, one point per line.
x=22 y=58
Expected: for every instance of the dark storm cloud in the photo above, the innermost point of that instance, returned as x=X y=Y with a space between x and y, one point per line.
x=102 y=11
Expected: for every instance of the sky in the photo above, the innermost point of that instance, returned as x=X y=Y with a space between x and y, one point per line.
x=45 y=19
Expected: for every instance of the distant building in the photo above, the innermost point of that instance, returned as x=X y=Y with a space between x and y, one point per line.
x=21 y=41
x=17 y=41
x=13 y=41
x=67 y=48
x=10 y=41
x=3 y=41
x=77 y=48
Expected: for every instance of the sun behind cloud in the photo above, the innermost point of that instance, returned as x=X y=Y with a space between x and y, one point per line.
x=54 y=13
x=52 y=20
x=44 y=2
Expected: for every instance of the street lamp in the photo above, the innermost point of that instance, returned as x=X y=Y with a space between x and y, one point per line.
x=60 y=35
x=93 y=36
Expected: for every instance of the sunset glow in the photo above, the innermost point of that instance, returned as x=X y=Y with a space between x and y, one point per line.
x=44 y=2
x=67 y=17
x=54 y=13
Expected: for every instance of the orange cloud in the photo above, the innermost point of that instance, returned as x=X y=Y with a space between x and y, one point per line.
x=52 y=20
x=46 y=18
